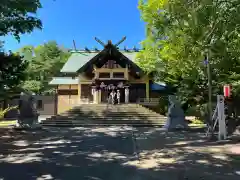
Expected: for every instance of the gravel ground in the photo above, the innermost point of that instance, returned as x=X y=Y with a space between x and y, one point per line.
x=114 y=153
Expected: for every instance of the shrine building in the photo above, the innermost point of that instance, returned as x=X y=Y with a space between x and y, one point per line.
x=89 y=77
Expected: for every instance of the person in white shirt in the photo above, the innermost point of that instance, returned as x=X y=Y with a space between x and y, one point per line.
x=118 y=96
x=113 y=94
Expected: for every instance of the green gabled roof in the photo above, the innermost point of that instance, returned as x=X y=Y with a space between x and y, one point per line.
x=63 y=81
x=76 y=61
x=130 y=55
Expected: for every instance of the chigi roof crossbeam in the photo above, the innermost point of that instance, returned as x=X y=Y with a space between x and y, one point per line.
x=95 y=49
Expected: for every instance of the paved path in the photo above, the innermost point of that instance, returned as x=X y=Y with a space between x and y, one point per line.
x=186 y=155
x=109 y=154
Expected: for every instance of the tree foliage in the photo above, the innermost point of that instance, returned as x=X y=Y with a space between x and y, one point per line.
x=19 y=17
x=179 y=35
x=12 y=72
x=45 y=61
x=16 y=18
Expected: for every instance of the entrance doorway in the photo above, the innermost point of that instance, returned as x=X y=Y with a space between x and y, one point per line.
x=105 y=94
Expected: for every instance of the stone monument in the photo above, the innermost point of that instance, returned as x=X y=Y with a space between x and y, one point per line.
x=28 y=115
x=176 y=117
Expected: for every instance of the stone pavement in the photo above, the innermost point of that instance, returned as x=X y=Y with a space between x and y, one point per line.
x=108 y=153
x=186 y=155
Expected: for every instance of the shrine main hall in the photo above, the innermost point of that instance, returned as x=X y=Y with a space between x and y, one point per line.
x=89 y=76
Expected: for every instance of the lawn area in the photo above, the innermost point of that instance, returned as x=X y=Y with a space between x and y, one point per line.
x=7 y=123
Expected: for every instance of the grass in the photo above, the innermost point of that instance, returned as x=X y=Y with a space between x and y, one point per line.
x=7 y=123
x=197 y=125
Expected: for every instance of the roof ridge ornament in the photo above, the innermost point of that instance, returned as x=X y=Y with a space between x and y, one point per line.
x=110 y=42
x=135 y=49
x=86 y=49
x=99 y=41
x=121 y=41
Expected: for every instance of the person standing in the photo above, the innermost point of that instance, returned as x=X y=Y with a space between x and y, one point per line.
x=118 y=96
x=113 y=94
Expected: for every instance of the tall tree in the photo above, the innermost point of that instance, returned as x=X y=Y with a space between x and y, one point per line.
x=16 y=18
x=19 y=17
x=180 y=33
x=12 y=69
x=45 y=61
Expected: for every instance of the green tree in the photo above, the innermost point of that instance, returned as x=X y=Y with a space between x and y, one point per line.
x=16 y=18
x=45 y=61
x=180 y=33
x=19 y=17
x=12 y=69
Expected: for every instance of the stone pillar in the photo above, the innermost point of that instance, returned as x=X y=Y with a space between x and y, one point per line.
x=126 y=95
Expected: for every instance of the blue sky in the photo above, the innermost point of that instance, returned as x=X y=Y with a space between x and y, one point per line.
x=82 y=20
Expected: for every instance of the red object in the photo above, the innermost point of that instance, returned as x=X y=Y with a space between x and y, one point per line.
x=227 y=91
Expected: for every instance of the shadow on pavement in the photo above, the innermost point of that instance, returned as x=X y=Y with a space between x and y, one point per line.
x=99 y=153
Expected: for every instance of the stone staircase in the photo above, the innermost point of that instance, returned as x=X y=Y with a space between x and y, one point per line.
x=103 y=114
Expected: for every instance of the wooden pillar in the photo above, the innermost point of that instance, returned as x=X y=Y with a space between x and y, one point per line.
x=126 y=73
x=79 y=92
x=56 y=102
x=99 y=96
x=147 y=89
x=95 y=96
x=126 y=95
x=79 y=89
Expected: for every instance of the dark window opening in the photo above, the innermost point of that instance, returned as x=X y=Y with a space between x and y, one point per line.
x=118 y=75
x=39 y=104
x=68 y=92
x=104 y=75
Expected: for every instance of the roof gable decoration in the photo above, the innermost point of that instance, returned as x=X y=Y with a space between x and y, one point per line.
x=111 y=50
x=80 y=59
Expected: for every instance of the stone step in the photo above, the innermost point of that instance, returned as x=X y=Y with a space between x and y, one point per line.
x=92 y=125
x=99 y=114
x=110 y=114
x=108 y=117
x=104 y=118
x=105 y=107
x=75 y=122
x=108 y=120
x=109 y=110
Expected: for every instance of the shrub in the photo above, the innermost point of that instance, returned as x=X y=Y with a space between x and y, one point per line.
x=197 y=121
x=4 y=111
